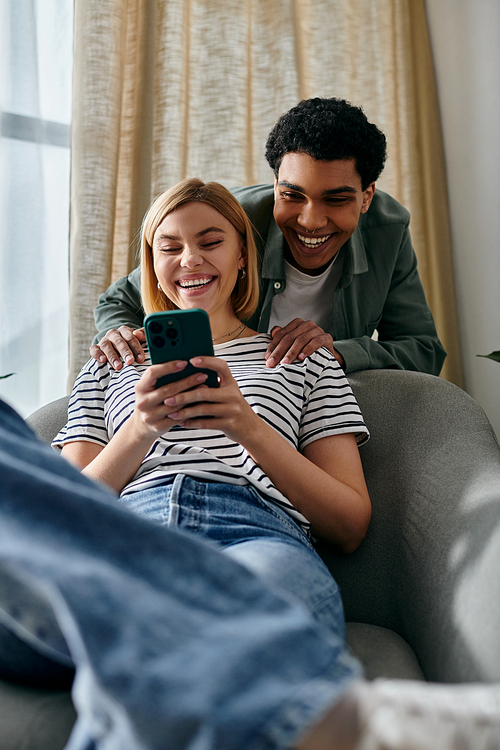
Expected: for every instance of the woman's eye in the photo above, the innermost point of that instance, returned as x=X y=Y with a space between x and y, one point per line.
x=214 y=243
x=165 y=249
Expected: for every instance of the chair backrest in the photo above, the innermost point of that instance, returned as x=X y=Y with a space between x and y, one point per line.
x=429 y=566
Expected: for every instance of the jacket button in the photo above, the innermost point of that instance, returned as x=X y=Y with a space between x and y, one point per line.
x=277 y=284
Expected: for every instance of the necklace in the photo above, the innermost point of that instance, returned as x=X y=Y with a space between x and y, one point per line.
x=240 y=328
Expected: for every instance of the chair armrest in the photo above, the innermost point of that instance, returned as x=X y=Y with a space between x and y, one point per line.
x=49 y=419
x=425 y=568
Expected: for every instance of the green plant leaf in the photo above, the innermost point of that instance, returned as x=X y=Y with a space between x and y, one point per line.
x=495 y=356
x=7 y=376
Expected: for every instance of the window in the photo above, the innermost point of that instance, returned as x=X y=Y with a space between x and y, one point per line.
x=35 y=114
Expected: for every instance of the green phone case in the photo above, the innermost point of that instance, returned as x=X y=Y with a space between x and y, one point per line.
x=180 y=334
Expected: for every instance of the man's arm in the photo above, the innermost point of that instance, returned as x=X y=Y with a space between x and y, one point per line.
x=407 y=337
x=120 y=305
x=118 y=315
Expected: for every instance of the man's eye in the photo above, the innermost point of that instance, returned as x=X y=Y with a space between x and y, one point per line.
x=291 y=196
x=337 y=200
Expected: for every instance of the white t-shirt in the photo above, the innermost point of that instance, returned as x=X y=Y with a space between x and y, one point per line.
x=312 y=295
x=302 y=401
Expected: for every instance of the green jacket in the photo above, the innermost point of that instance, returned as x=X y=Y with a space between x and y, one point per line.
x=379 y=289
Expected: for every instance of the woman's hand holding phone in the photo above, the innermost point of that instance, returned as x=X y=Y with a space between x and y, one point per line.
x=154 y=405
x=223 y=408
x=207 y=397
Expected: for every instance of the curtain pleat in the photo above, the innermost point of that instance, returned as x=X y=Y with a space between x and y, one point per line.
x=169 y=89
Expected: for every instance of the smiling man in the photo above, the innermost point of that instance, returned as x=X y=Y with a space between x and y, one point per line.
x=336 y=259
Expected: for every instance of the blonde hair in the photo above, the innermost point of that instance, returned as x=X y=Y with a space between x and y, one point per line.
x=245 y=295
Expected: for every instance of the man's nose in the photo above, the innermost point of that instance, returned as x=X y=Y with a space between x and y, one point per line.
x=312 y=217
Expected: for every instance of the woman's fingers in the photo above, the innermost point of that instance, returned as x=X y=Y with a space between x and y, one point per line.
x=154 y=405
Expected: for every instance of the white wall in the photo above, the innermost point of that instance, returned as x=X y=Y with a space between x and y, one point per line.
x=465 y=37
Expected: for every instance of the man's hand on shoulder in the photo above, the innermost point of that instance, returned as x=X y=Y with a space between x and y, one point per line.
x=298 y=340
x=120 y=346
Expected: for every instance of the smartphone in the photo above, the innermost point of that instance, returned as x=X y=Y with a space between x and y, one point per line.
x=180 y=334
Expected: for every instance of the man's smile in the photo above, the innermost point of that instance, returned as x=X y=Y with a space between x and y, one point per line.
x=312 y=241
x=312 y=246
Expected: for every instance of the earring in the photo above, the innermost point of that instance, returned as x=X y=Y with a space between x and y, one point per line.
x=242 y=273
x=159 y=287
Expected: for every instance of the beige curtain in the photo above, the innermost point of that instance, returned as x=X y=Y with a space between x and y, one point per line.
x=167 y=89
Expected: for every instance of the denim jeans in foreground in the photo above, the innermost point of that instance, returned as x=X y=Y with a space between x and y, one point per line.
x=175 y=644
x=252 y=530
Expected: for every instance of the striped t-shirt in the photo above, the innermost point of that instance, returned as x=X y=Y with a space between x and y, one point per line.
x=303 y=401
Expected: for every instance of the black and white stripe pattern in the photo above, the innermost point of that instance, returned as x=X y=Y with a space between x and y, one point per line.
x=302 y=401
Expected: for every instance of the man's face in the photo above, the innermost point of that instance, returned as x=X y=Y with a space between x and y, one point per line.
x=317 y=205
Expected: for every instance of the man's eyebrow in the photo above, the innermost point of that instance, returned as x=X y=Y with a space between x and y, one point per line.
x=343 y=189
x=333 y=191
x=290 y=185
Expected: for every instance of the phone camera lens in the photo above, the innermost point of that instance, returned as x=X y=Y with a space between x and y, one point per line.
x=158 y=342
x=172 y=333
x=155 y=327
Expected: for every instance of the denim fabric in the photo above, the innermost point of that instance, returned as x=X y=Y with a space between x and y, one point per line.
x=252 y=530
x=175 y=645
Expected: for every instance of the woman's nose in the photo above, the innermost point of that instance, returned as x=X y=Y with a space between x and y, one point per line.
x=191 y=257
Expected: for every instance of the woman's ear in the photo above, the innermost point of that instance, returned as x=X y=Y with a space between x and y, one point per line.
x=242 y=261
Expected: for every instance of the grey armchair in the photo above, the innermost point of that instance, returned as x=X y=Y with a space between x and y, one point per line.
x=422 y=593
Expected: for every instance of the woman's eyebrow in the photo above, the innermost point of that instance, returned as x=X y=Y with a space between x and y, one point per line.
x=199 y=234
x=209 y=229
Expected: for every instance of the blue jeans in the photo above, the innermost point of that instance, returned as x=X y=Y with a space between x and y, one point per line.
x=252 y=530
x=175 y=645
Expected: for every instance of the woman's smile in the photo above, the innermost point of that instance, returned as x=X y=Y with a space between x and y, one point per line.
x=193 y=285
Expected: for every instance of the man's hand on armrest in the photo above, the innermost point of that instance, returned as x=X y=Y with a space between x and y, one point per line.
x=120 y=346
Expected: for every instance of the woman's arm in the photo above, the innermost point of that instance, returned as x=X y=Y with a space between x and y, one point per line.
x=117 y=463
x=326 y=483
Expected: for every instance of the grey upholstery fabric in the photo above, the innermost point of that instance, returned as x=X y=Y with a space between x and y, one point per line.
x=34 y=719
x=49 y=419
x=422 y=592
x=428 y=568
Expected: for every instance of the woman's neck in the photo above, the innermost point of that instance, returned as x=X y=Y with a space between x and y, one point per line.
x=228 y=327
x=227 y=331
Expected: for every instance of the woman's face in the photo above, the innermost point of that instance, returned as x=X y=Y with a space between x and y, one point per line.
x=197 y=254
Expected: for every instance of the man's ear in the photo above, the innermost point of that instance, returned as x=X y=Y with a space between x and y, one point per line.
x=367 y=197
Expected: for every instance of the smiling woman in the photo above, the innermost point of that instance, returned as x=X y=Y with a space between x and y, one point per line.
x=260 y=464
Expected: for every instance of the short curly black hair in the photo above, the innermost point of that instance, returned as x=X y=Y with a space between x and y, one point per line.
x=327 y=130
